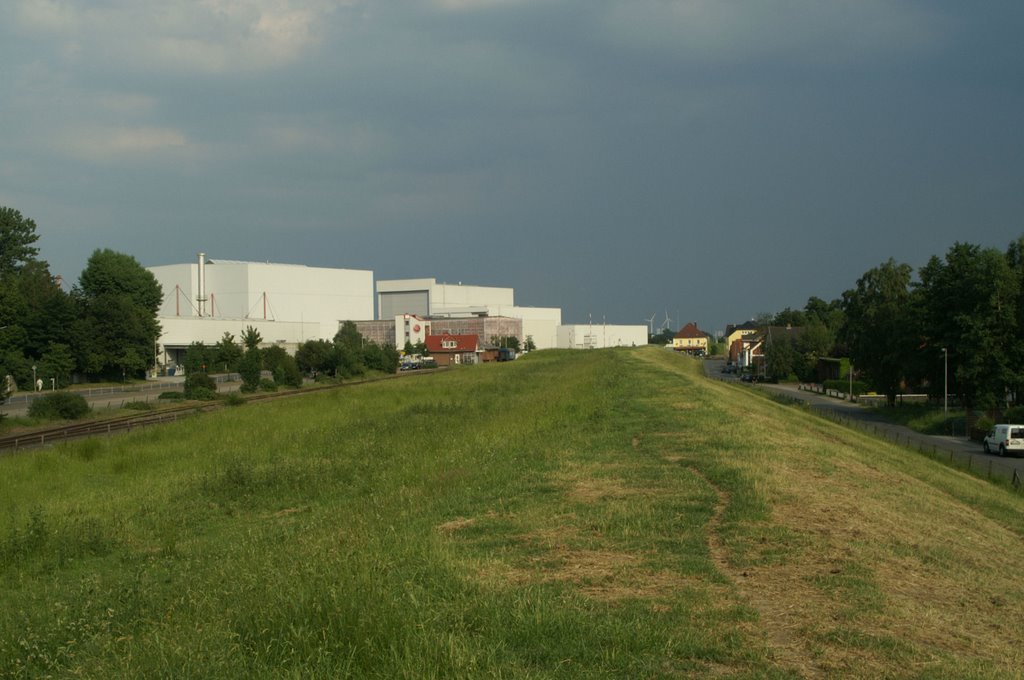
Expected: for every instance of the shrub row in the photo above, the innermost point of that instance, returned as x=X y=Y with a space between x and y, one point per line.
x=59 y=405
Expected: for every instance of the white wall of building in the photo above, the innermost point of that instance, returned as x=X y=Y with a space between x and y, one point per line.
x=449 y=298
x=252 y=291
x=597 y=336
x=540 y=323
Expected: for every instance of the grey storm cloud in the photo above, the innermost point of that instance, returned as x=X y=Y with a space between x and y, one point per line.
x=713 y=158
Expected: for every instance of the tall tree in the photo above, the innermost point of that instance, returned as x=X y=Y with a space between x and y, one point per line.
x=17 y=236
x=880 y=327
x=348 y=344
x=781 y=357
x=789 y=317
x=971 y=303
x=816 y=341
x=118 y=330
x=1015 y=260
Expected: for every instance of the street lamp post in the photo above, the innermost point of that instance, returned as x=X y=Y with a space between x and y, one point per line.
x=945 y=381
x=34 y=383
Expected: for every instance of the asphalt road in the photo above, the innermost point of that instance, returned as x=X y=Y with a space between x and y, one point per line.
x=867 y=420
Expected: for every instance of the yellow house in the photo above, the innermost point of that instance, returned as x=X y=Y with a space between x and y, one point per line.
x=734 y=333
x=691 y=340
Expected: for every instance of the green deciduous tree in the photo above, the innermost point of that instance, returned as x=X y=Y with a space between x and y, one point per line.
x=815 y=341
x=249 y=367
x=118 y=328
x=227 y=352
x=315 y=356
x=382 y=358
x=57 y=362
x=880 y=325
x=971 y=301
x=781 y=356
x=198 y=358
x=348 y=347
x=282 y=366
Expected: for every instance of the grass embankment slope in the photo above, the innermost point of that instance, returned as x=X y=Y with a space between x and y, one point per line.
x=573 y=514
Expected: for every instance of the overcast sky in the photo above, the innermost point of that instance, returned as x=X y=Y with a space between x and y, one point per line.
x=711 y=159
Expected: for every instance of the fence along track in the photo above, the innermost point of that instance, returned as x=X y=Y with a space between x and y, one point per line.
x=58 y=433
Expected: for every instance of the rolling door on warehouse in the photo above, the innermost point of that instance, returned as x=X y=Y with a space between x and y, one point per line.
x=393 y=304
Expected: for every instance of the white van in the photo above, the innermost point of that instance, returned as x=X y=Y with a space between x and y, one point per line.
x=1004 y=439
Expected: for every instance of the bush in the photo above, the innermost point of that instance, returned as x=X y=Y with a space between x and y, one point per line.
x=287 y=372
x=199 y=383
x=139 y=406
x=172 y=396
x=59 y=405
x=268 y=385
x=234 y=399
x=981 y=428
x=859 y=386
x=203 y=394
x=1014 y=414
x=984 y=424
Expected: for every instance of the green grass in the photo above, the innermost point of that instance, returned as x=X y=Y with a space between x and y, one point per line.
x=571 y=514
x=924 y=418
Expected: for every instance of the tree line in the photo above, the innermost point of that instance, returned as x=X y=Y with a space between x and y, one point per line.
x=958 y=320
x=347 y=355
x=104 y=328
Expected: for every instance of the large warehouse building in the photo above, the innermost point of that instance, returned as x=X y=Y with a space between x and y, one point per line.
x=288 y=304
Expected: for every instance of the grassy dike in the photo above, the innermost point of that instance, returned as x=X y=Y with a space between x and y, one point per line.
x=574 y=514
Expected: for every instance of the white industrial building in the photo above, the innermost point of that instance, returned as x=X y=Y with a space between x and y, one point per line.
x=597 y=336
x=429 y=299
x=288 y=304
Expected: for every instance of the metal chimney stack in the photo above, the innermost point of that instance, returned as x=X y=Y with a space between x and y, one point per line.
x=201 y=297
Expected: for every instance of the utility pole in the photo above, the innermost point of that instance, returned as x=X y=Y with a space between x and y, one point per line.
x=945 y=381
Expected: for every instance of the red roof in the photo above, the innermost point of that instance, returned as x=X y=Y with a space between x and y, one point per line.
x=448 y=343
x=690 y=330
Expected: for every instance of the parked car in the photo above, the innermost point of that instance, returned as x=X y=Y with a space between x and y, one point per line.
x=1004 y=439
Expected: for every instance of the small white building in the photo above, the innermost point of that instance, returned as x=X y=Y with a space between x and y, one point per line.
x=597 y=336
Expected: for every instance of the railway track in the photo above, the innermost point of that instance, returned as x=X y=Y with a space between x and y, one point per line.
x=74 y=430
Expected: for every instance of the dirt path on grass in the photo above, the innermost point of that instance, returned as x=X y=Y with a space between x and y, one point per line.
x=777 y=622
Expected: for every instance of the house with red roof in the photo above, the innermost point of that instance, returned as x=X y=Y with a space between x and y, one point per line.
x=449 y=350
x=691 y=340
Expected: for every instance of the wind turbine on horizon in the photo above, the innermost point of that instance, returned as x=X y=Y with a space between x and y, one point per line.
x=650 y=323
